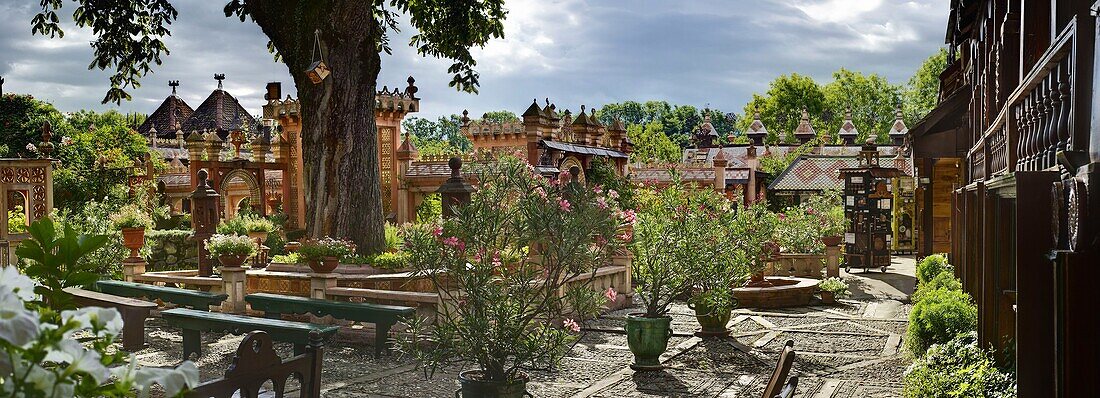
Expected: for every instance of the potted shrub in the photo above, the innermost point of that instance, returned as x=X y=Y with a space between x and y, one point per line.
x=133 y=221
x=832 y=289
x=506 y=318
x=663 y=249
x=231 y=250
x=829 y=209
x=798 y=235
x=323 y=255
x=258 y=228
x=716 y=265
x=233 y=226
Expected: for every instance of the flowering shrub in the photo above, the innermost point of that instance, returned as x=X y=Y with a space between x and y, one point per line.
x=503 y=261
x=132 y=216
x=755 y=229
x=835 y=285
x=829 y=209
x=230 y=245
x=40 y=355
x=317 y=249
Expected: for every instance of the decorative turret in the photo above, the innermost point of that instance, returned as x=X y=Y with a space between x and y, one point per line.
x=898 y=130
x=805 y=131
x=615 y=133
x=757 y=131
x=705 y=134
x=580 y=126
x=848 y=131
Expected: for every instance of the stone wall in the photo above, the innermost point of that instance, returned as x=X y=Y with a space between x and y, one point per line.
x=171 y=250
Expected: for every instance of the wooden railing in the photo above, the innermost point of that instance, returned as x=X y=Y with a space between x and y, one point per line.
x=1036 y=121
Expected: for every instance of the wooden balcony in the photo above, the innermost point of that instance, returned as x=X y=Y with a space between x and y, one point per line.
x=1039 y=116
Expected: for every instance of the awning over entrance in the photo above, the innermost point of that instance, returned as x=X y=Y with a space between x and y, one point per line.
x=582 y=149
x=937 y=134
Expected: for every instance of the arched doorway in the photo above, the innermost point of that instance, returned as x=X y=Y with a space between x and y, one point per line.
x=240 y=188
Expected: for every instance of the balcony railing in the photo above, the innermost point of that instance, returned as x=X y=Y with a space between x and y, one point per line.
x=1036 y=121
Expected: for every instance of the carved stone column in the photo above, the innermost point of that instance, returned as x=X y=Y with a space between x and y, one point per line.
x=233 y=284
x=320 y=283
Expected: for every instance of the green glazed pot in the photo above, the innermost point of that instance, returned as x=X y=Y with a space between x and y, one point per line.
x=647 y=339
x=712 y=321
x=471 y=386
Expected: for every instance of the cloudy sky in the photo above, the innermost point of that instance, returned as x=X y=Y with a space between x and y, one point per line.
x=697 y=52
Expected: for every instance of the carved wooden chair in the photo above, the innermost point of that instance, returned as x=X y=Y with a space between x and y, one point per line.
x=256 y=363
x=779 y=386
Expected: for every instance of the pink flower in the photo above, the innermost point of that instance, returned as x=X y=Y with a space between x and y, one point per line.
x=613 y=194
x=782 y=216
x=811 y=211
x=629 y=216
x=597 y=189
x=601 y=202
x=601 y=241
x=572 y=325
x=626 y=236
x=519 y=154
x=564 y=174
x=455 y=243
x=438 y=231
x=496 y=259
x=611 y=294
x=540 y=192
x=66 y=140
x=565 y=205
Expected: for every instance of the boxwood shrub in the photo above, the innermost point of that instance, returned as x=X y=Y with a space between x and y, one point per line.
x=931 y=266
x=939 y=316
x=945 y=280
x=958 y=368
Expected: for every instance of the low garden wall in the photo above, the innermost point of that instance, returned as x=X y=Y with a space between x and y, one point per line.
x=170 y=250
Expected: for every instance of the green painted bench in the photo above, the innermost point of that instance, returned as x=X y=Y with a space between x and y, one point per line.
x=194 y=322
x=382 y=316
x=184 y=297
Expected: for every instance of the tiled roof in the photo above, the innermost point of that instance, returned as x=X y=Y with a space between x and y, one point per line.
x=737 y=155
x=220 y=112
x=169 y=116
x=819 y=173
x=664 y=175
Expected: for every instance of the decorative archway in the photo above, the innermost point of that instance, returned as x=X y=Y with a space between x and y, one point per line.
x=254 y=194
x=571 y=161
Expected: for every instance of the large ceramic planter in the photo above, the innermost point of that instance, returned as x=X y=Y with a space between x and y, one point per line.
x=647 y=339
x=832 y=240
x=828 y=297
x=133 y=239
x=261 y=236
x=231 y=260
x=324 y=265
x=471 y=386
x=712 y=321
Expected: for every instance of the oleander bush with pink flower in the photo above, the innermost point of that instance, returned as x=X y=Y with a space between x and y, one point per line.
x=501 y=264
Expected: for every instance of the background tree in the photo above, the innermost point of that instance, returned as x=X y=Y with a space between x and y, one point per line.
x=651 y=143
x=781 y=106
x=339 y=134
x=922 y=92
x=873 y=101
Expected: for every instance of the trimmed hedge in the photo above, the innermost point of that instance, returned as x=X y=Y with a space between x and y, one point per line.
x=958 y=368
x=931 y=266
x=945 y=280
x=939 y=316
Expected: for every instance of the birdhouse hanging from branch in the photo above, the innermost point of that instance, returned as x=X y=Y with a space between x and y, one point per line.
x=318 y=70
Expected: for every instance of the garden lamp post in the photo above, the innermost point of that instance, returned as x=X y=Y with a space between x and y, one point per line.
x=455 y=191
x=204 y=218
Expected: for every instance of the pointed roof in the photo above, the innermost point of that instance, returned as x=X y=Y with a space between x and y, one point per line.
x=706 y=128
x=805 y=129
x=221 y=113
x=847 y=128
x=899 y=127
x=533 y=110
x=168 y=117
x=756 y=128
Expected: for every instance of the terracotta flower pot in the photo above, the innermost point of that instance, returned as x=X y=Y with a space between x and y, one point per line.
x=260 y=235
x=232 y=260
x=325 y=265
x=828 y=297
x=292 y=247
x=133 y=239
x=472 y=386
x=832 y=240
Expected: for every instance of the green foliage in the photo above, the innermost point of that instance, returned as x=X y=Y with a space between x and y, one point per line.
x=781 y=106
x=652 y=144
x=440 y=137
x=21 y=118
x=828 y=206
x=17 y=220
x=944 y=280
x=391 y=261
x=501 y=321
x=837 y=286
x=393 y=237
x=94 y=219
x=601 y=173
x=230 y=245
x=800 y=230
x=255 y=223
x=755 y=230
x=715 y=266
x=921 y=94
x=234 y=226
x=131 y=216
x=318 y=249
x=54 y=261
x=665 y=247
x=873 y=101
x=937 y=318
x=431 y=209
x=929 y=267
x=677 y=122
x=958 y=368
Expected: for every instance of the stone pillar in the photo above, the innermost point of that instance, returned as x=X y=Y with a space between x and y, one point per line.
x=405 y=155
x=132 y=266
x=622 y=283
x=832 y=261
x=233 y=285
x=320 y=283
x=720 y=164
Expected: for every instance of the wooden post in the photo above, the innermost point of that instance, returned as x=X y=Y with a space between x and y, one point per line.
x=204 y=218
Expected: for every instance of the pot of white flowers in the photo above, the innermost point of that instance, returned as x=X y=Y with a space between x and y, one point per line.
x=832 y=289
x=231 y=250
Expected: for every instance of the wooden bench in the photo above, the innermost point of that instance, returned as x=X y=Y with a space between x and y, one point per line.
x=133 y=313
x=382 y=316
x=194 y=322
x=779 y=386
x=256 y=363
x=184 y=297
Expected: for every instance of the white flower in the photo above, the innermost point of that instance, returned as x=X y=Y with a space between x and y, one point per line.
x=31 y=147
x=23 y=286
x=66 y=140
x=108 y=320
x=18 y=326
x=80 y=360
x=172 y=380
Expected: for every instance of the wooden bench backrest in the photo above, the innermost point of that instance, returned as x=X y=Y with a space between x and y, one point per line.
x=256 y=363
x=782 y=370
x=363 y=312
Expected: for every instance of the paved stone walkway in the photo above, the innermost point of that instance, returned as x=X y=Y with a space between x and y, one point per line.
x=847 y=350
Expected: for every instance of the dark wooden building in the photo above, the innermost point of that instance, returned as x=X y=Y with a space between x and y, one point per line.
x=1009 y=164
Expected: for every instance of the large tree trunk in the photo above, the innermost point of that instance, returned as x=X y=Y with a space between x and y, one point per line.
x=339 y=135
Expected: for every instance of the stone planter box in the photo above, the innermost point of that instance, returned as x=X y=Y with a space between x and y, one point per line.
x=786 y=292
x=796 y=264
